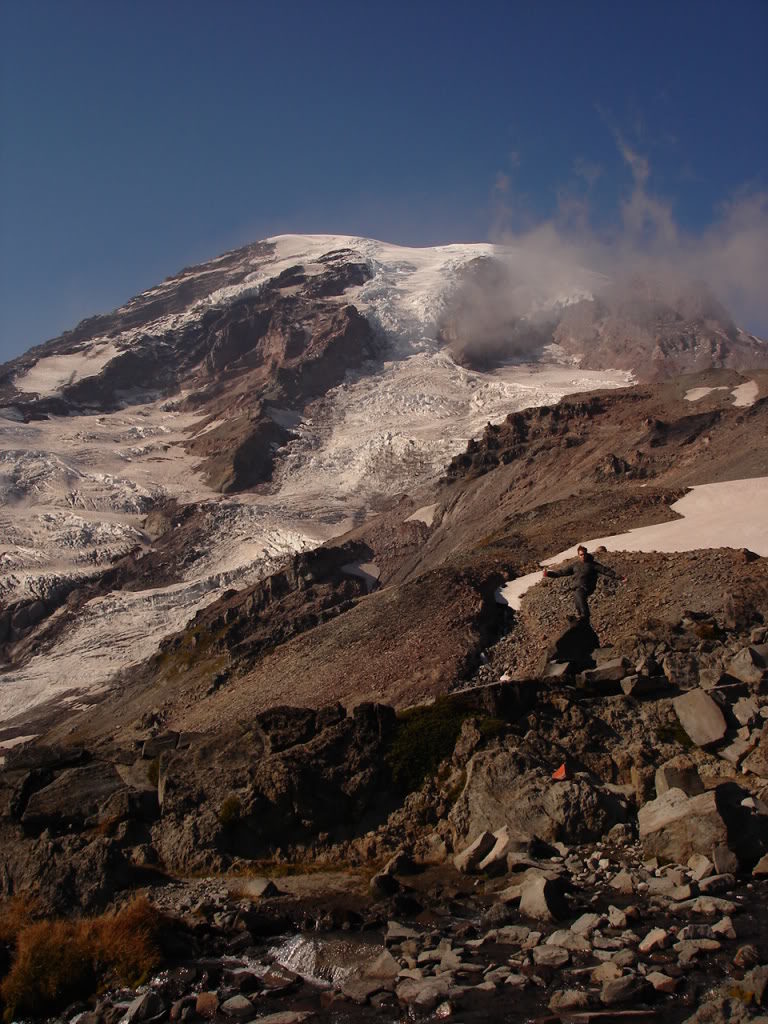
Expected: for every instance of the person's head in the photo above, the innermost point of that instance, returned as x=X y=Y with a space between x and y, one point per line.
x=582 y=552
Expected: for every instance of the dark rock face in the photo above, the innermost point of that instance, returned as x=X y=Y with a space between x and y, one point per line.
x=575 y=645
x=288 y=341
x=286 y=780
x=514 y=788
x=76 y=795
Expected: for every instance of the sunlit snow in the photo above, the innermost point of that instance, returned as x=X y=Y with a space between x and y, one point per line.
x=722 y=515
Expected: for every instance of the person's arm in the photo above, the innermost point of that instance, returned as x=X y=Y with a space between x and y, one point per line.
x=606 y=570
x=567 y=571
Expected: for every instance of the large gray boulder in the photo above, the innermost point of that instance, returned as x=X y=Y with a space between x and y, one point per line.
x=76 y=797
x=749 y=665
x=676 y=826
x=514 y=788
x=701 y=717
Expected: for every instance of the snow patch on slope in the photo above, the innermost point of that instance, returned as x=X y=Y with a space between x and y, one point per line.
x=723 y=515
x=51 y=373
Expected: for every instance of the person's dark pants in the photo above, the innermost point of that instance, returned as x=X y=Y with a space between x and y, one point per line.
x=580 y=598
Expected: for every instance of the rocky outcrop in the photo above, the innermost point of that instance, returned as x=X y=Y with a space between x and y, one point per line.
x=514 y=788
x=675 y=827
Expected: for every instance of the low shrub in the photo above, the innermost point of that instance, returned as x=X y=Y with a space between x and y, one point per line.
x=424 y=737
x=57 y=962
x=674 y=733
x=230 y=810
x=15 y=914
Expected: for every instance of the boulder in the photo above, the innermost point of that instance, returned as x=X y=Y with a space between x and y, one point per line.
x=757 y=761
x=701 y=717
x=76 y=796
x=543 y=899
x=639 y=686
x=749 y=665
x=575 y=644
x=611 y=671
x=514 y=788
x=746 y=711
x=424 y=994
x=623 y=990
x=495 y=861
x=678 y=773
x=675 y=826
x=469 y=859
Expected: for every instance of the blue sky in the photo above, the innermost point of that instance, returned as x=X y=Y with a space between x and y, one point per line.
x=138 y=138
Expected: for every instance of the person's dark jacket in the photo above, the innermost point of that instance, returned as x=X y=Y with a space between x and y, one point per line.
x=584 y=573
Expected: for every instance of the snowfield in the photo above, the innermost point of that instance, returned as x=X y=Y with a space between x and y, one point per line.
x=722 y=515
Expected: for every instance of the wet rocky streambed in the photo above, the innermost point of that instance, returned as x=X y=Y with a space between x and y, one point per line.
x=614 y=938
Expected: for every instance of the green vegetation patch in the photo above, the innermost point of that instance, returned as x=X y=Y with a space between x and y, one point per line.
x=674 y=734
x=230 y=810
x=426 y=735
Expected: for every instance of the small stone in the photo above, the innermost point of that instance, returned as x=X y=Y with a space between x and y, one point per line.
x=608 y=971
x=624 y=958
x=700 y=866
x=567 y=939
x=587 y=923
x=662 y=982
x=616 y=917
x=551 y=956
x=143 y=1008
x=469 y=859
x=207 y=1004
x=623 y=882
x=568 y=999
x=657 y=938
x=623 y=990
x=725 y=861
x=543 y=899
x=237 y=1006
x=397 y=932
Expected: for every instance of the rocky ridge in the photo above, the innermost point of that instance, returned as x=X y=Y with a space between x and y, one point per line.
x=596 y=837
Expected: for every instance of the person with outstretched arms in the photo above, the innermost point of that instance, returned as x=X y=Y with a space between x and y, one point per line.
x=585 y=572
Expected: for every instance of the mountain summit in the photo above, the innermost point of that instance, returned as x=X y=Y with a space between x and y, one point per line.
x=255 y=406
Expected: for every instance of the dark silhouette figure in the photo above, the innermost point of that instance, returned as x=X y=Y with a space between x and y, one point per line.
x=585 y=572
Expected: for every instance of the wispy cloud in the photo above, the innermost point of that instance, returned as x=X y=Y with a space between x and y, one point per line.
x=730 y=256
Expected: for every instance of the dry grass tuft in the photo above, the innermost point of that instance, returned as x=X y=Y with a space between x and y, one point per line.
x=15 y=914
x=57 y=962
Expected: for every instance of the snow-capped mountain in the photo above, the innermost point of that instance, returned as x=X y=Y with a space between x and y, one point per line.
x=261 y=403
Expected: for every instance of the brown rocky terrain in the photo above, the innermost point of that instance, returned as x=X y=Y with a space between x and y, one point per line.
x=529 y=813
x=572 y=842
x=528 y=487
